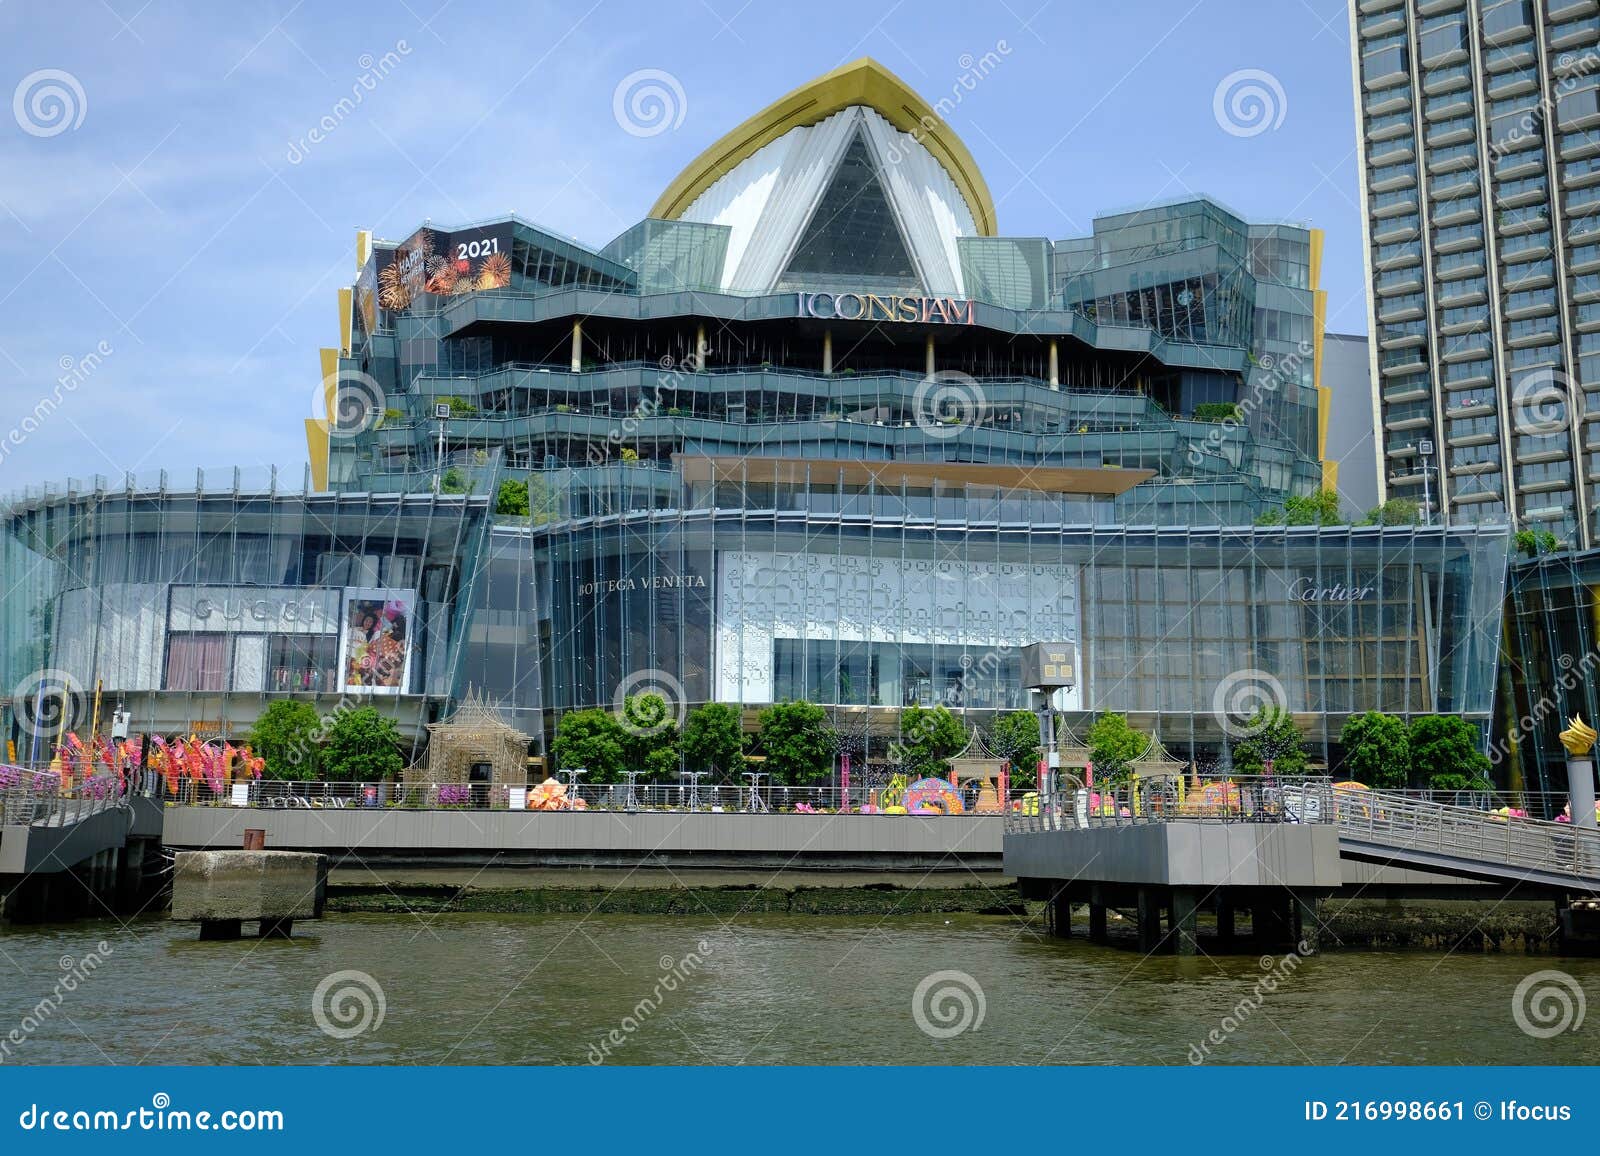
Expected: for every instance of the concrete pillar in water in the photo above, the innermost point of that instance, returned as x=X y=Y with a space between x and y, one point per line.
x=1185 y=915
x=1307 y=926
x=1097 y=916
x=1149 y=908
x=1225 y=932
x=1061 y=915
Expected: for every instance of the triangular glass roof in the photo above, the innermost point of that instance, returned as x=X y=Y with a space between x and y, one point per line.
x=853 y=240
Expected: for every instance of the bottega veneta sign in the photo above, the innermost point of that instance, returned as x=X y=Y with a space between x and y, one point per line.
x=657 y=582
x=1305 y=590
x=890 y=307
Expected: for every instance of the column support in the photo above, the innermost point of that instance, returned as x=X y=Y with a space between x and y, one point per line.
x=577 y=346
x=1055 y=364
x=1307 y=928
x=1150 y=930
x=929 y=369
x=700 y=348
x=1185 y=908
x=827 y=352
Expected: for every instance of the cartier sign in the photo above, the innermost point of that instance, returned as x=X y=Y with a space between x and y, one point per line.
x=886 y=307
x=1305 y=590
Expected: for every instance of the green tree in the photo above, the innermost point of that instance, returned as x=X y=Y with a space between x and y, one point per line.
x=1446 y=755
x=1394 y=512
x=1535 y=542
x=650 y=735
x=1377 y=750
x=1218 y=411
x=1113 y=745
x=287 y=736
x=797 y=742
x=362 y=745
x=453 y=482
x=1273 y=738
x=1015 y=738
x=1319 y=509
x=512 y=500
x=713 y=740
x=929 y=738
x=593 y=739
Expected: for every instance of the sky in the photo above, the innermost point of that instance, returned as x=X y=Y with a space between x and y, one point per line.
x=181 y=183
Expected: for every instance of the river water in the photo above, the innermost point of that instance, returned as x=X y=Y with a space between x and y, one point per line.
x=484 y=989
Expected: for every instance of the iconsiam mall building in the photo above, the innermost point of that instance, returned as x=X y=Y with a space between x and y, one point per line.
x=814 y=429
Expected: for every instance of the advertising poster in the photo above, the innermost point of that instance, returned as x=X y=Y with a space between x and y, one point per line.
x=443 y=264
x=375 y=645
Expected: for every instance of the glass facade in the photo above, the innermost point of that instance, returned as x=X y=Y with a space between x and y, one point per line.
x=194 y=606
x=876 y=597
x=1098 y=350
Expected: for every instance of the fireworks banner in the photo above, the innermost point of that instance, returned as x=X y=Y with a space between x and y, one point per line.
x=438 y=263
x=375 y=646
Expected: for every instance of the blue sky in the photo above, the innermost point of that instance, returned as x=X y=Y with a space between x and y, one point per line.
x=175 y=241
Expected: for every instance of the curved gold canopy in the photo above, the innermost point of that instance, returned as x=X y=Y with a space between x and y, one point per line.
x=863 y=81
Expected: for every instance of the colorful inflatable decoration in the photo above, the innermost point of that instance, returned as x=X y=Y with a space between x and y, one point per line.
x=552 y=796
x=933 y=797
x=1214 y=799
x=1504 y=813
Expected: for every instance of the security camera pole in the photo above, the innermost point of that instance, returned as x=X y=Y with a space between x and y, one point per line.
x=1048 y=667
x=1425 y=451
x=441 y=413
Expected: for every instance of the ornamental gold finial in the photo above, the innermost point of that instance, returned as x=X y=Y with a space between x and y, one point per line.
x=1579 y=736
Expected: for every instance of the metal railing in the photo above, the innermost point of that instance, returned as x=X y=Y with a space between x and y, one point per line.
x=720 y=798
x=1414 y=822
x=1391 y=819
x=1169 y=798
x=41 y=803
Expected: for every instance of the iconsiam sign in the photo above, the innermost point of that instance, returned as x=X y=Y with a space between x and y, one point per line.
x=887 y=307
